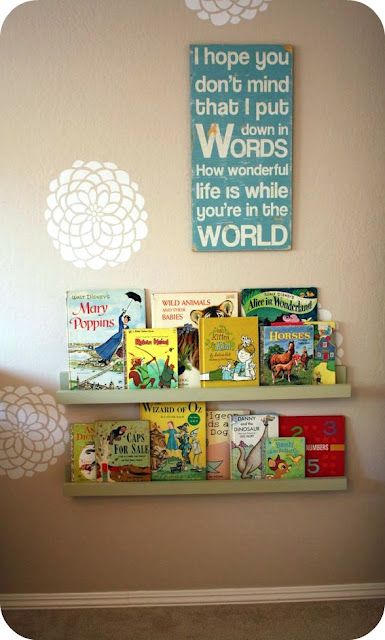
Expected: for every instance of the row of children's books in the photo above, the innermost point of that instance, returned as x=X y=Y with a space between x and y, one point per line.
x=198 y=339
x=184 y=441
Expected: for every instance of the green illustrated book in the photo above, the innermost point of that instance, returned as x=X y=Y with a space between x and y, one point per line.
x=324 y=371
x=284 y=458
x=288 y=355
x=83 y=465
x=122 y=450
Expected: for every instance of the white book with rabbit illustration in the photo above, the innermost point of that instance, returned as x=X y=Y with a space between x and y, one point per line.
x=248 y=434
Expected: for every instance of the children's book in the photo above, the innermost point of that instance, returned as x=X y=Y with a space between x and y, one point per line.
x=284 y=458
x=218 y=442
x=122 y=449
x=324 y=371
x=83 y=465
x=248 y=434
x=287 y=355
x=95 y=323
x=183 y=310
x=325 y=442
x=151 y=358
x=228 y=352
x=280 y=305
x=178 y=439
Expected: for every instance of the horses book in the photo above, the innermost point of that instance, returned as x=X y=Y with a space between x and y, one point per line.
x=122 y=450
x=178 y=439
x=228 y=352
x=248 y=434
x=151 y=358
x=96 y=320
x=288 y=355
x=325 y=442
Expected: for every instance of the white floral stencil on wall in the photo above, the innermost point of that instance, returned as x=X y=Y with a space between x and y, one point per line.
x=220 y=12
x=95 y=215
x=33 y=431
x=324 y=314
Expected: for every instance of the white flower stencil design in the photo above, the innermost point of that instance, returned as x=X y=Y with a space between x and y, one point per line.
x=220 y=12
x=33 y=431
x=95 y=215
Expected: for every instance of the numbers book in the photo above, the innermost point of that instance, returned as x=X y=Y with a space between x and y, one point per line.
x=228 y=352
x=284 y=458
x=122 y=449
x=178 y=439
x=95 y=323
x=248 y=434
x=280 y=305
x=325 y=442
x=83 y=465
x=287 y=355
x=151 y=358
x=183 y=310
x=218 y=442
x=324 y=371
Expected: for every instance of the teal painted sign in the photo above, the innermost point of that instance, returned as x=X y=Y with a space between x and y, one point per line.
x=241 y=118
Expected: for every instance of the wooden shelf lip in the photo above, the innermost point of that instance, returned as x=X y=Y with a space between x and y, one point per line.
x=202 y=487
x=298 y=392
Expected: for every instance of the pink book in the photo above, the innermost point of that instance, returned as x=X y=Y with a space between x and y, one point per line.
x=218 y=442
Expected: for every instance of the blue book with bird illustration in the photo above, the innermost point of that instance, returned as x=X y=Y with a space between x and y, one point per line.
x=248 y=434
x=96 y=320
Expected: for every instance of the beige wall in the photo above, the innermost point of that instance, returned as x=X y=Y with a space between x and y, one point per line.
x=109 y=81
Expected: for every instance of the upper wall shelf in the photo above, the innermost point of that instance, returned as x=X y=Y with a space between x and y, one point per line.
x=237 y=394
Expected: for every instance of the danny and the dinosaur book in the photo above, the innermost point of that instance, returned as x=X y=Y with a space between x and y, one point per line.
x=248 y=434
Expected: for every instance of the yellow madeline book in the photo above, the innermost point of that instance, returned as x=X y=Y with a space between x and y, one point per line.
x=151 y=357
x=228 y=352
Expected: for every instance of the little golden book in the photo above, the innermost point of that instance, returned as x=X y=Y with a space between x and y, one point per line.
x=228 y=352
x=151 y=358
x=122 y=449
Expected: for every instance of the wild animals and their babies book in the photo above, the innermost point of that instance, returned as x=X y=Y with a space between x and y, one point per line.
x=228 y=352
x=248 y=434
x=218 y=442
x=325 y=442
x=83 y=465
x=122 y=449
x=178 y=439
x=184 y=310
x=284 y=458
x=151 y=358
x=96 y=320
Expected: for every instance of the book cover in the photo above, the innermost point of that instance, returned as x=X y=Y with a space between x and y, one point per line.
x=324 y=371
x=83 y=465
x=248 y=434
x=325 y=442
x=280 y=304
x=122 y=449
x=228 y=352
x=218 y=442
x=151 y=358
x=287 y=355
x=178 y=439
x=183 y=310
x=284 y=458
x=95 y=323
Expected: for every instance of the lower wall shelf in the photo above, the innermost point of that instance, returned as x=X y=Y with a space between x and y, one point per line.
x=204 y=487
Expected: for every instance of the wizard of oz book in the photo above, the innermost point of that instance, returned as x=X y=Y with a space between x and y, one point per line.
x=95 y=323
x=248 y=434
x=228 y=352
x=218 y=442
x=287 y=355
x=83 y=465
x=151 y=358
x=325 y=442
x=324 y=371
x=280 y=305
x=183 y=310
x=178 y=439
x=122 y=449
x=284 y=458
